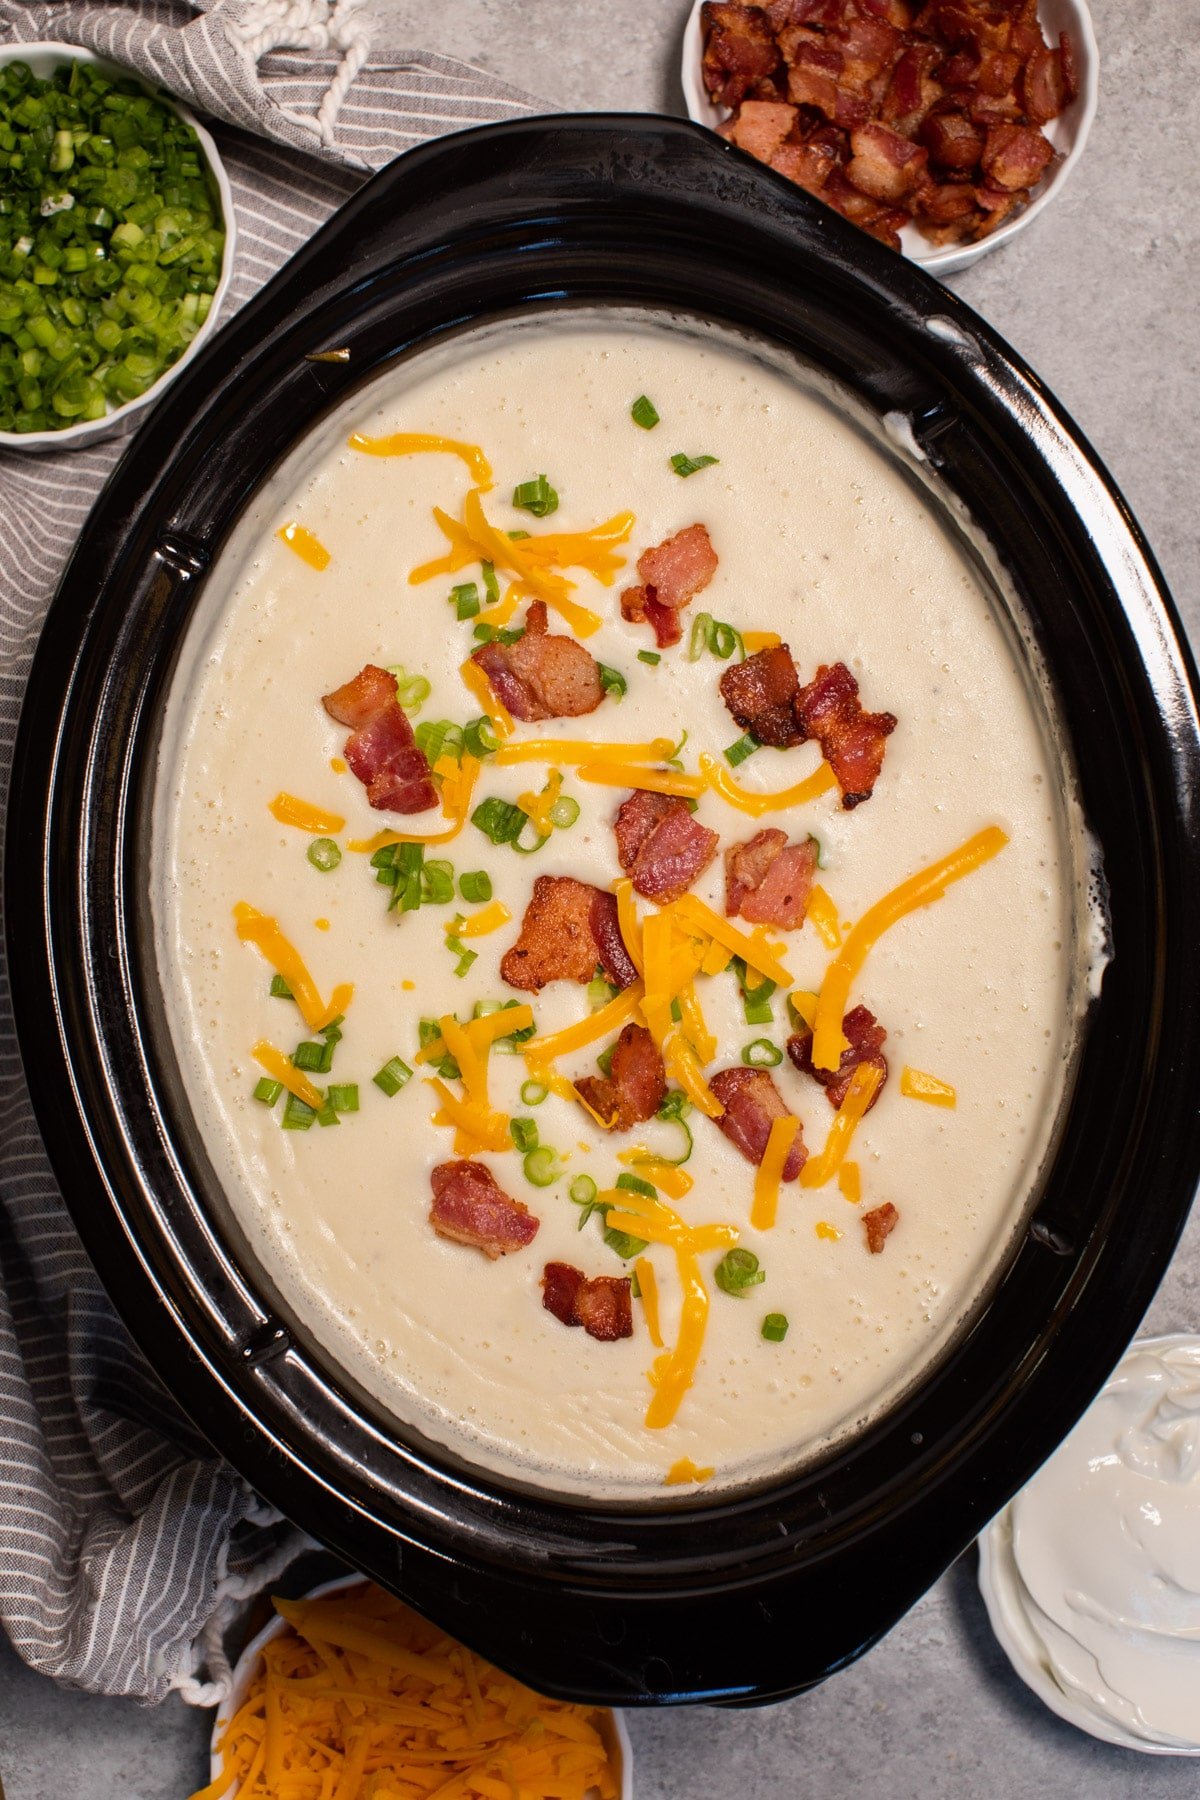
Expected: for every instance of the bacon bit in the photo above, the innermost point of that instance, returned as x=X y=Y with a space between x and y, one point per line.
x=865 y=1040
x=381 y=749
x=752 y=1102
x=672 y=573
x=614 y=958
x=761 y=694
x=557 y=941
x=847 y=98
x=660 y=846
x=636 y=1087
x=603 y=1304
x=544 y=675
x=470 y=1207
x=880 y=1223
x=768 y=880
x=852 y=741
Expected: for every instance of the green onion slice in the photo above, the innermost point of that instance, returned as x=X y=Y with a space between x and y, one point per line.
x=437 y=882
x=533 y=1093
x=491 y=586
x=413 y=692
x=737 y=1271
x=745 y=746
x=634 y=1184
x=536 y=497
x=324 y=854
x=612 y=681
x=342 y=1096
x=649 y=656
x=465 y=600
x=498 y=820
x=279 y=988
x=394 y=1074
x=775 y=1327
x=688 y=465
x=564 y=812
x=762 y=1054
x=541 y=1166
x=475 y=885
x=623 y=1243
x=524 y=1134
x=643 y=412
x=267 y=1091
x=297 y=1116
x=479 y=739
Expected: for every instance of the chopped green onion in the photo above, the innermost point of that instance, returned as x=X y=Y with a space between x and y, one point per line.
x=583 y=1192
x=475 y=885
x=507 y=1044
x=649 y=656
x=533 y=1093
x=439 y=737
x=677 y=1012
x=644 y=413
x=297 y=1116
x=498 y=820
x=539 y=842
x=635 y=1185
x=465 y=599
x=756 y=1001
x=437 y=882
x=267 y=1091
x=625 y=1245
x=492 y=634
x=604 y=1060
x=524 y=1134
x=762 y=1054
x=612 y=680
x=491 y=586
x=466 y=957
x=536 y=497
x=408 y=877
x=675 y=761
x=737 y=1271
x=479 y=739
x=279 y=988
x=775 y=1327
x=413 y=692
x=714 y=635
x=674 y=1111
x=316 y=1059
x=328 y=1114
x=635 y=1286
x=688 y=465
x=564 y=812
x=541 y=1166
x=514 y=537
x=324 y=854
x=343 y=1097
x=745 y=746
x=600 y=991
x=394 y=1074
x=698 y=642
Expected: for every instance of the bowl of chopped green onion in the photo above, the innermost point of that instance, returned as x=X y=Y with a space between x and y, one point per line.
x=116 y=244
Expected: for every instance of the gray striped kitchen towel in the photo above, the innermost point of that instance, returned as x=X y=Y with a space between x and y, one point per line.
x=124 y=1542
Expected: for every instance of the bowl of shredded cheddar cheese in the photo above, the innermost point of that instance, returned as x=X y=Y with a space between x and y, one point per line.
x=347 y=1692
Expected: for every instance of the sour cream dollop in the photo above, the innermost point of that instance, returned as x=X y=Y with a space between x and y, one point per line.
x=1092 y=1574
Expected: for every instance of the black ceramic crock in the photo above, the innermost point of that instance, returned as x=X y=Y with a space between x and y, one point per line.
x=741 y=1599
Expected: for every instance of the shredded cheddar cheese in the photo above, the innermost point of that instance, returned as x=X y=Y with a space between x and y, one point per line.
x=339 y=765
x=476 y=680
x=307 y=546
x=648 y=1288
x=254 y=927
x=565 y=751
x=476 y=1127
x=921 y=889
x=359 y=1698
x=682 y=1065
x=503 y=610
x=770 y=1172
x=825 y=1230
x=754 y=947
x=610 y=1018
x=458 y=782
x=628 y=923
x=667 y=1176
x=685 y=1470
x=699 y=1036
x=490 y=918
x=850 y=1182
x=476 y=539
x=760 y=640
x=718 y=778
x=421 y=443
x=863 y=1084
x=824 y=917
x=539 y=807
x=593 y=550
x=915 y=1084
x=632 y=775
x=304 y=816
x=281 y=1068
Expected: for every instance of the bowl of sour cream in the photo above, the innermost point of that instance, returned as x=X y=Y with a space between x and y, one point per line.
x=1091 y=1575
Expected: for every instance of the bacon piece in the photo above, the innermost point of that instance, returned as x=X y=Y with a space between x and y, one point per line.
x=866 y=1040
x=381 y=749
x=752 y=1103
x=543 y=675
x=470 y=1207
x=768 y=880
x=613 y=957
x=868 y=47
x=1042 y=87
x=761 y=695
x=884 y=164
x=911 y=91
x=808 y=165
x=1070 y=75
x=672 y=573
x=852 y=741
x=603 y=1305
x=998 y=70
x=557 y=941
x=808 y=86
x=950 y=204
x=636 y=1086
x=1015 y=156
x=759 y=128
x=953 y=143
x=660 y=846
x=739 y=49
x=639 y=606
x=880 y=1223
x=983 y=30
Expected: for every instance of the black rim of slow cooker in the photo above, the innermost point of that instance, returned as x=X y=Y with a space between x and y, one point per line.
x=760 y=1595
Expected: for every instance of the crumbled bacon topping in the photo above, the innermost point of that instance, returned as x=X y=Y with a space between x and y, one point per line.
x=381 y=749
x=672 y=573
x=568 y=928
x=877 y=106
x=635 y=1087
x=603 y=1304
x=765 y=697
x=544 y=675
x=752 y=1103
x=866 y=1038
x=768 y=880
x=880 y=1223
x=470 y=1207
x=660 y=845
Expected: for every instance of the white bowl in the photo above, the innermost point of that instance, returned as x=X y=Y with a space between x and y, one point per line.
x=43 y=58
x=999 y=1583
x=1068 y=133
x=620 y=1751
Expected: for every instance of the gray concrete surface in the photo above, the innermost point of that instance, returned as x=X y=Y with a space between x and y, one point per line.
x=1100 y=294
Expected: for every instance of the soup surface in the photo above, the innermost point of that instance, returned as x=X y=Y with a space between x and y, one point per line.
x=821 y=540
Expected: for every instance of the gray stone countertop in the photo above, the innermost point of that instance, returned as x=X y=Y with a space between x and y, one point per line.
x=1100 y=295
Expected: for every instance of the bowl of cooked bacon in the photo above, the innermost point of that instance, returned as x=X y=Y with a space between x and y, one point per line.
x=942 y=129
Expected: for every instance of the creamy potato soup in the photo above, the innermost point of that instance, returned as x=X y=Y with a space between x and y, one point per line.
x=776 y=879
